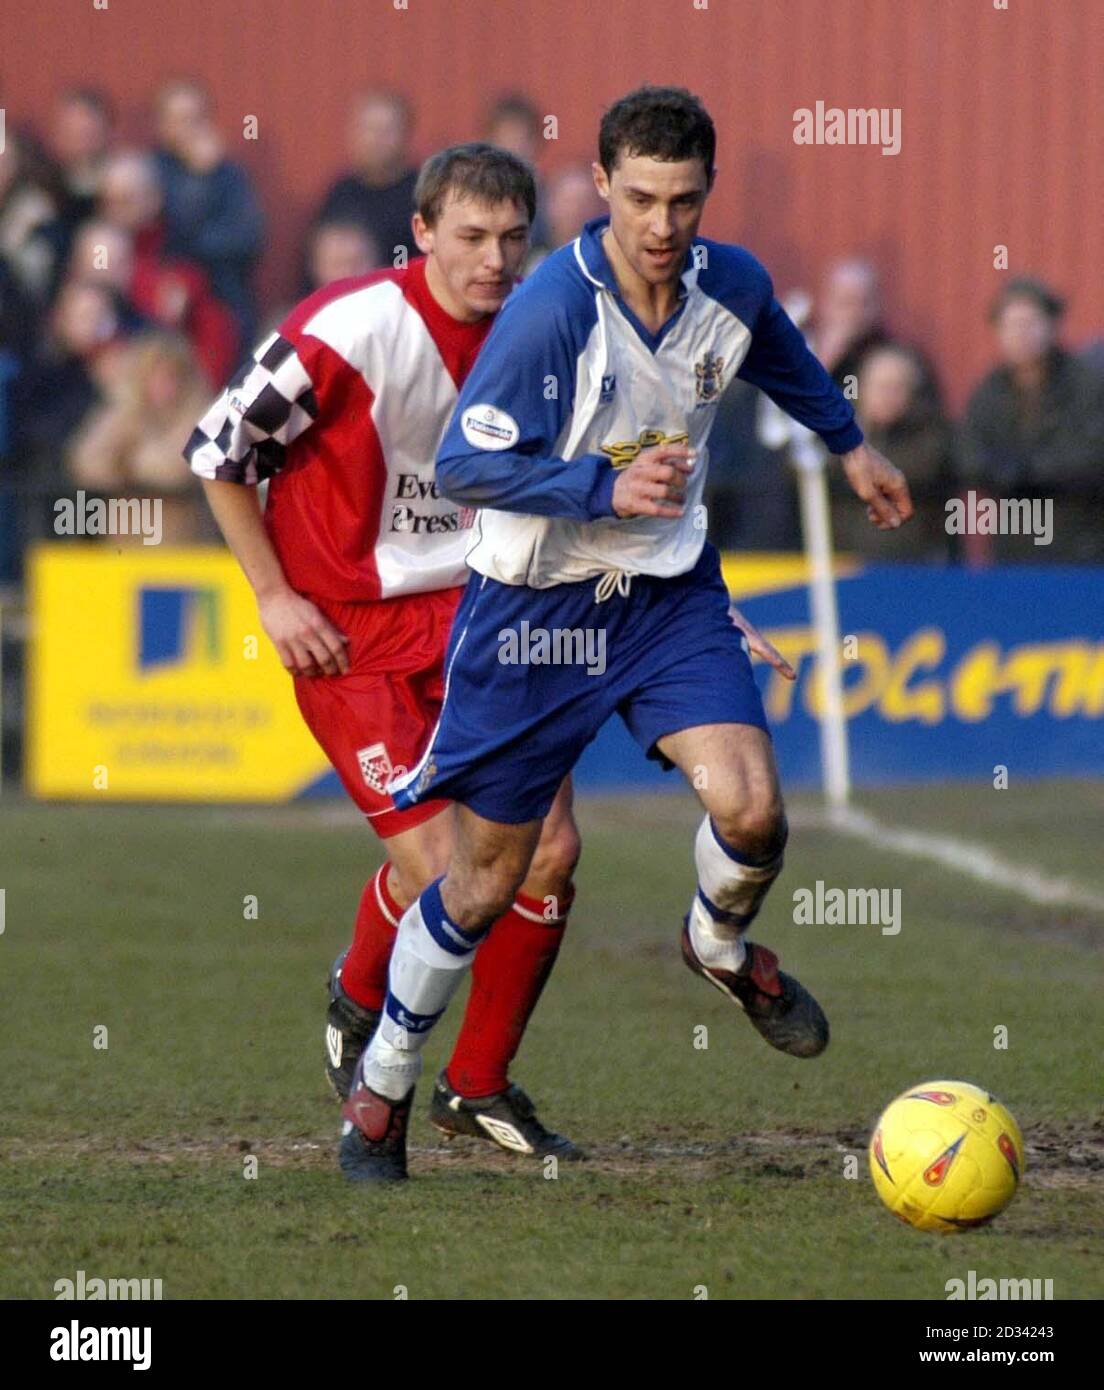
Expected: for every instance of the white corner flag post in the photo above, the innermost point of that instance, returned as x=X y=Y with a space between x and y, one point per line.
x=810 y=461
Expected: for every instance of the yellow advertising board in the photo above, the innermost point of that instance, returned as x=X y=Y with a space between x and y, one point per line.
x=150 y=679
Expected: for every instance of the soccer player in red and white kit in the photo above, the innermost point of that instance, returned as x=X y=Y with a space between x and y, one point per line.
x=358 y=566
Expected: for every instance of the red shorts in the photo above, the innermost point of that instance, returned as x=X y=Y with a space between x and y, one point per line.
x=374 y=722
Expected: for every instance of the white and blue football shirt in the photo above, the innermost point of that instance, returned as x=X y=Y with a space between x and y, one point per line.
x=570 y=386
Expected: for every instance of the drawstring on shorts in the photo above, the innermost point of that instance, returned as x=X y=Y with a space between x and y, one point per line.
x=612 y=582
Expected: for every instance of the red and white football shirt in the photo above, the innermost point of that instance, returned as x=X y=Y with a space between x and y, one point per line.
x=343 y=407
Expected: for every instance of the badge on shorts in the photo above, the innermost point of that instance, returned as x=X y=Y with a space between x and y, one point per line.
x=375 y=767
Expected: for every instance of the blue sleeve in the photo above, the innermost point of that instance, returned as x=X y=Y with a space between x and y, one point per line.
x=497 y=450
x=779 y=362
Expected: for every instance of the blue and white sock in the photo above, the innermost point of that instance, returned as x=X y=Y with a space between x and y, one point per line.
x=428 y=963
x=731 y=889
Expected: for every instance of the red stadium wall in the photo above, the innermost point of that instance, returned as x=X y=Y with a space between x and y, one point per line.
x=1003 y=127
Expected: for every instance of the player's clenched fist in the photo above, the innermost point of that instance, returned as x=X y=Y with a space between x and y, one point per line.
x=308 y=643
x=654 y=484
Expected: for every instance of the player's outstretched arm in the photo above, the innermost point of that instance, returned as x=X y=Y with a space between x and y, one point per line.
x=781 y=365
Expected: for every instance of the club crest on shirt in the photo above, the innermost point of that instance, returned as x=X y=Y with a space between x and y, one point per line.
x=375 y=767
x=709 y=378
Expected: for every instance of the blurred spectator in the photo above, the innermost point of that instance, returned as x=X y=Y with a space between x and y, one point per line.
x=850 y=322
x=1034 y=428
x=513 y=123
x=130 y=446
x=17 y=331
x=338 y=250
x=32 y=235
x=128 y=247
x=848 y=317
x=751 y=490
x=77 y=361
x=378 y=192
x=1092 y=354
x=79 y=137
x=131 y=198
x=570 y=201
x=16 y=344
x=104 y=252
x=901 y=420
x=211 y=213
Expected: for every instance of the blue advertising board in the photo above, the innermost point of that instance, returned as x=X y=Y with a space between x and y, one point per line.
x=947 y=673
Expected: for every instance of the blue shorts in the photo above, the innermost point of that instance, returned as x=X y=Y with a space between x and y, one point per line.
x=533 y=674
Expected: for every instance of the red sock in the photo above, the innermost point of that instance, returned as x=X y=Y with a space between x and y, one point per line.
x=510 y=969
x=364 y=974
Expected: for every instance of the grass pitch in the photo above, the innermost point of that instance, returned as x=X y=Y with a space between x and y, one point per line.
x=721 y=1166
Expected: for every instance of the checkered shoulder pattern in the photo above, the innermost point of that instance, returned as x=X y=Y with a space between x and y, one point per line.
x=244 y=436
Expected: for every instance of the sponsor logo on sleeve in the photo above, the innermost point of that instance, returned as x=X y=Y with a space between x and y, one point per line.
x=487 y=427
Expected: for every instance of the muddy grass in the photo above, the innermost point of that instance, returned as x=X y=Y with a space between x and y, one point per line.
x=1057 y=1156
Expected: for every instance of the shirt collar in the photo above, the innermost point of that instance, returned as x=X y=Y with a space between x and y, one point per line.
x=597 y=266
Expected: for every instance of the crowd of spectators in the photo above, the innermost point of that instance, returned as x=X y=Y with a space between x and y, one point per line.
x=127 y=298
x=1033 y=428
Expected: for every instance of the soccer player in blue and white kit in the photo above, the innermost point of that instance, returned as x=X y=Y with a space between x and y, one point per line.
x=581 y=434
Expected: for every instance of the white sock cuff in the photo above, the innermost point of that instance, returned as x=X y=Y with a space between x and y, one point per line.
x=719 y=866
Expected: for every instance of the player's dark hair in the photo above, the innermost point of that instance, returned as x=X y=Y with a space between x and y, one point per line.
x=475 y=170
x=658 y=122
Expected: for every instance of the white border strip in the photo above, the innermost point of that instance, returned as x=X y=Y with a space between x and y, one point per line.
x=973 y=860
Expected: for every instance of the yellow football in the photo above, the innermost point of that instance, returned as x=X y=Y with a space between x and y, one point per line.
x=945 y=1156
